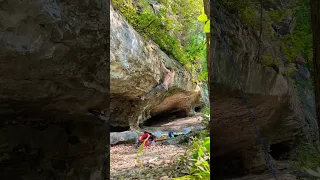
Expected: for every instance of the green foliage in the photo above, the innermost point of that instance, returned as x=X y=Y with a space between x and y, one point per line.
x=199 y=154
x=299 y=42
x=288 y=46
x=174 y=27
x=277 y=15
x=206 y=28
x=141 y=148
x=203 y=18
x=303 y=30
x=269 y=61
x=206 y=110
x=249 y=15
x=309 y=156
x=290 y=69
x=246 y=9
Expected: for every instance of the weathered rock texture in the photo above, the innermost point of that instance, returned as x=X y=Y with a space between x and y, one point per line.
x=284 y=113
x=53 y=55
x=123 y=137
x=49 y=149
x=135 y=69
x=52 y=69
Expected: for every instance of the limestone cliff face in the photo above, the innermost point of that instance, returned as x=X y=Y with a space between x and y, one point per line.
x=135 y=69
x=284 y=113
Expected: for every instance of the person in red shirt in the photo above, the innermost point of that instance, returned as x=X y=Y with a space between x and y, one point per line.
x=147 y=137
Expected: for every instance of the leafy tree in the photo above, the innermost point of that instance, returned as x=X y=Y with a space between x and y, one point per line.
x=173 y=26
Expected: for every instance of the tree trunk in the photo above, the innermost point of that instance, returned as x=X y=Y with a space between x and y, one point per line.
x=315 y=21
x=206 y=4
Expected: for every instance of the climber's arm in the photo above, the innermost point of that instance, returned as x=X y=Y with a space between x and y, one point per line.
x=164 y=67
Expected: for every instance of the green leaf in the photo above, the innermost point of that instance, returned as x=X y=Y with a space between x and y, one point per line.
x=200 y=152
x=207 y=27
x=206 y=164
x=206 y=143
x=139 y=151
x=203 y=175
x=195 y=155
x=203 y=18
x=201 y=168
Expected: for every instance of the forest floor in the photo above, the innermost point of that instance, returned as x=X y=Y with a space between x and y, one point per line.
x=158 y=160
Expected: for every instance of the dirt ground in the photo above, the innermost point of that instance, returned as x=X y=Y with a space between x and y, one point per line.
x=124 y=165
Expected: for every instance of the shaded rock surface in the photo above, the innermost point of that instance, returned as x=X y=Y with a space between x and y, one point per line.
x=284 y=114
x=282 y=176
x=44 y=149
x=53 y=56
x=127 y=137
x=52 y=69
x=178 y=125
x=135 y=68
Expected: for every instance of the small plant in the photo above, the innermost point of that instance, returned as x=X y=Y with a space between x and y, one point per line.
x=199 y=155
x=141 y=147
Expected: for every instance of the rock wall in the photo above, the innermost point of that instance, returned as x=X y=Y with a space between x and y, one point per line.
x=52 y=56
x=135 y=70
x=34 y=148
x=284 y=113
x=52 y=69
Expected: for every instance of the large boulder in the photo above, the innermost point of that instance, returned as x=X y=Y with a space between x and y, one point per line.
x=123 y=137
x=135 y=68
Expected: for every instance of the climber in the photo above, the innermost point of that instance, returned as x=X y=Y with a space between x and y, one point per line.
x=147 y=137
x=169 y=75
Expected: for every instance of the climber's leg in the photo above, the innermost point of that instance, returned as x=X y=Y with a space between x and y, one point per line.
x=165 y=87
x=158 y=89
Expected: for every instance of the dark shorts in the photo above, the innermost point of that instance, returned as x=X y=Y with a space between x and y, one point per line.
x=164 y=86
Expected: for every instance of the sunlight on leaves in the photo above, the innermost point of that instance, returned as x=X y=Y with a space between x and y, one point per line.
x=203 y=18
x=207 y=27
